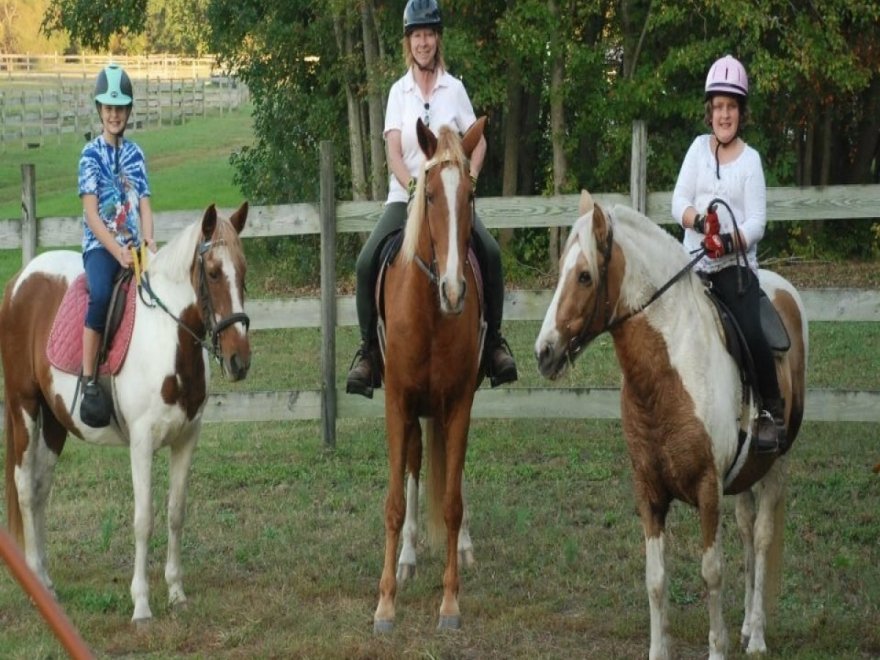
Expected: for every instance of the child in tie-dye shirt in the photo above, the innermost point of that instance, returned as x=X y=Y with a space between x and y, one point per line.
x=116 y=216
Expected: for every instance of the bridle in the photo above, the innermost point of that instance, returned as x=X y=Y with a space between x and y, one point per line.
x=212 y=327
x=431 y=269
x=580 y=341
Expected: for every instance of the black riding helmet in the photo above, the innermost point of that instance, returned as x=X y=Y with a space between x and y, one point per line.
x=422 y=13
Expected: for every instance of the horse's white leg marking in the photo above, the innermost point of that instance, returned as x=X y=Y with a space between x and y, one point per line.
x=712 y=574
x=658 y=596
x=179 y=462
x=406 y=564
x=33 y=481
x=465 y=545
x=745 y=520
x=141 y=455
x=769 y=490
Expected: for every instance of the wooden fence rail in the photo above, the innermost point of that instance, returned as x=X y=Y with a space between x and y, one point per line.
x=331 y=311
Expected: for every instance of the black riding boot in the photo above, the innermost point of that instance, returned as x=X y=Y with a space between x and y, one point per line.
x=363 y=375
x=95 y=408
x=500 y=366
x=771 y=434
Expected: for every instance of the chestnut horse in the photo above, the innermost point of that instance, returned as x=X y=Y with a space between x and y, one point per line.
x=432 y=321
x=195 y=287
x=685 y=416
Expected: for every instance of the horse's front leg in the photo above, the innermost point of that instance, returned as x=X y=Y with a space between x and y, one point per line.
x=653 y=516
x=141 y=454
x=399 y=431
x=406 y=563
x=179 y=463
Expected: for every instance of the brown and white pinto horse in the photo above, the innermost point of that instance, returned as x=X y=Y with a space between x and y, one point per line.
x=196 y=287
x=682 y=406
x=432 y=312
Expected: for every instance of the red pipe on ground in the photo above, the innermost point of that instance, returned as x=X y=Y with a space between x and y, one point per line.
x=50 y=609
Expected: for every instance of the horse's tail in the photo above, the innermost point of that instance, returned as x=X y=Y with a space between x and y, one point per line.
x=773 y=570
x=435 y=483
x=13 y=510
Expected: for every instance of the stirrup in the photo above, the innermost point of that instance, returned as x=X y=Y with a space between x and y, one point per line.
x=766 y=445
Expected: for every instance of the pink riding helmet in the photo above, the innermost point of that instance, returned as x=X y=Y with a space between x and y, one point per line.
x=727 y=76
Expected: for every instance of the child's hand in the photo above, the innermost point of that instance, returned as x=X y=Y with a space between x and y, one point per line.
x=123 y=256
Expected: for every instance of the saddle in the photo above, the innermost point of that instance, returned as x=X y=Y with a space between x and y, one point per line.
x=387 y=254
x=64 y=348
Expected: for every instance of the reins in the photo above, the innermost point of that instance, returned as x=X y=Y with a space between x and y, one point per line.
x=206 y=308
x=578 y=342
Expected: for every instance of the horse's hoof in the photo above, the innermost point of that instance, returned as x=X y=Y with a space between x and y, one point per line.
x=405 y=572
x=450 y=622
x=142 y=625
x=383 y=626
x=466 y=558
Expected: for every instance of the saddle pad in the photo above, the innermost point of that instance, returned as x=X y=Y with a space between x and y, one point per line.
x=64 y=348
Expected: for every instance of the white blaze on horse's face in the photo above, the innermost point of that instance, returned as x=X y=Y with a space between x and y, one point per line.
x=452 y=285
x=564 y=317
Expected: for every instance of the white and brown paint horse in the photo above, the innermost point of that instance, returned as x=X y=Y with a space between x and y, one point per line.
x=432 y=316
x=682 y=404
x=197 y=281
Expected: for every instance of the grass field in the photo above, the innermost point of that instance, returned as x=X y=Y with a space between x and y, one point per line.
x=283 y=543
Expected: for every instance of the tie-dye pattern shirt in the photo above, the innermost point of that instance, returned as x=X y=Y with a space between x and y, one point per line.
x=118 y=194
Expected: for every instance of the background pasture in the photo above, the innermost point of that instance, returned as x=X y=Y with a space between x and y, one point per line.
x=283 y=543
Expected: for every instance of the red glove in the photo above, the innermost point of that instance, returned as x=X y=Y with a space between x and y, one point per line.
x=717 y=245
x=707 y=224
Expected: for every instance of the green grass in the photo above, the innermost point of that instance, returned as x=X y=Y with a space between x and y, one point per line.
x=188 y=167
x=283 y=546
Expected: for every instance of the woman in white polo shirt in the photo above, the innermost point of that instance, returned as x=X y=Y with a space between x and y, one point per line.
x=429 y=92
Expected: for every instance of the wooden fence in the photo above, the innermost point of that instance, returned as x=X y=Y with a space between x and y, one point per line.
x=165 y=65
x=330 y=218
x=63 y=105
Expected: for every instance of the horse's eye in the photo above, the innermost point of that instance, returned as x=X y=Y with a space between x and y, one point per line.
x=214 y=274
x=584 y=278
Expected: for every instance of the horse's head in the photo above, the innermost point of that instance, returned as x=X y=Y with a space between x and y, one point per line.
x=441 y=217
x=586 y=294
x=218 y=277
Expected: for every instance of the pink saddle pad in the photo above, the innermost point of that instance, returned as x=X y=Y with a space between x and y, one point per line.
x=64 y=348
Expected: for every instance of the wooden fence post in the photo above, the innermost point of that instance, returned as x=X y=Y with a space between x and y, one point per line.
x=28 y=213
x=638 y=166
x=328 y=295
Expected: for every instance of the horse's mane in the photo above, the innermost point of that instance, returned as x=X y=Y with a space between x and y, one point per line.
x=653 y=255
x=449 y=150
x=175 y=259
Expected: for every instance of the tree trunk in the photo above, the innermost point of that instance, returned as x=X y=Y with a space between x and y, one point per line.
x=557 y=126
x=378 y=169
x=512 y=121
x=345 y=44
x=868 y=135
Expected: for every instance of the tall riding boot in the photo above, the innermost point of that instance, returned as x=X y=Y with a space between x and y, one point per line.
x=771 y=434
x=500 y=366
x=364 y=371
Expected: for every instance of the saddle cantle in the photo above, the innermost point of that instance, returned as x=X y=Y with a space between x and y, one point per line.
x=387 y=254
x=64 y=348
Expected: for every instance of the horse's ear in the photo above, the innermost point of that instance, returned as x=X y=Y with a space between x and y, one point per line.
x=585 y=204
x=600 y=225
x=427 y=140
x=472 y=137
x=239 y=217
x=209 y=222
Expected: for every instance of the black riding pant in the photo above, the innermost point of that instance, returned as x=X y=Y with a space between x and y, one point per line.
x=367 y=270
x=745 y=307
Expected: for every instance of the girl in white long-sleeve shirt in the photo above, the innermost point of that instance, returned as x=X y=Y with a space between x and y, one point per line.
x=721 y=166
